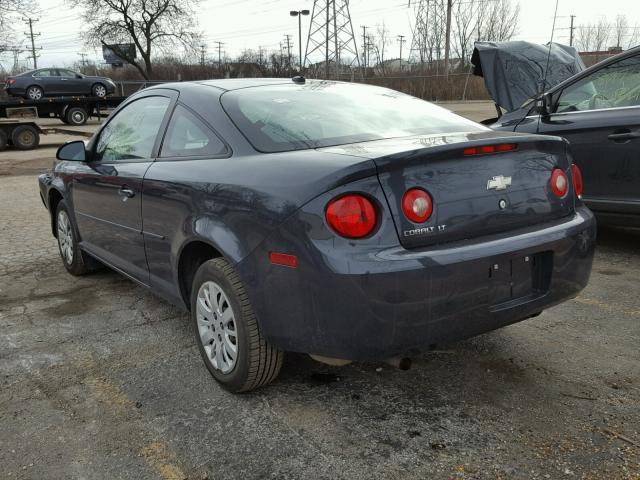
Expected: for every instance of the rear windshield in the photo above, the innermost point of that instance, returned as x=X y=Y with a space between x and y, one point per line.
x=280 y=118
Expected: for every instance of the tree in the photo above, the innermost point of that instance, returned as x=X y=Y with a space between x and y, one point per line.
x=149 y=24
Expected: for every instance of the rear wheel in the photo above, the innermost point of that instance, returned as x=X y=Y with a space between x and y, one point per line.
x=25 y=137
x=76 y=116
x=99 y=90
x=74 y=259
x=34 y=92
x=227 y=332
x=3 y=140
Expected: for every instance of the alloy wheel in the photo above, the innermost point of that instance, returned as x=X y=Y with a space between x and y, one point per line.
x=34 y=93
x=100 y=91
x=217 y=326
x=65 y=237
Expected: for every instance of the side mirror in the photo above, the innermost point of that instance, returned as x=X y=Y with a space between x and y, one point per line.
x=544 y=104
x=72 y=151
x=79 y=75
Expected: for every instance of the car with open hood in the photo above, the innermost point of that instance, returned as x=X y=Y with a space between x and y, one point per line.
x=596 y=109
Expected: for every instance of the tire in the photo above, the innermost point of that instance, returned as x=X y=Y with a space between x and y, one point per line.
x=3 y=140
x=99 y=90
x=74 y=260
x=34 y=92
x=256 y=362
x=25 y=137
x=76 y=116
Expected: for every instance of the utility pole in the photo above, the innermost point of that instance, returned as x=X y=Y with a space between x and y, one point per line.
x=365 y=46
x=203 y=51
x=220 y=53
x=401 y=40
x=288 y=39
x=571 y=29
x=84 y=59
x=30 y=21
x=447 y=40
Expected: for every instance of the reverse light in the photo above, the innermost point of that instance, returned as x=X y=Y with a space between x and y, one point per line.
x=351 y=216
x=577 y=179
x=486 y=149
x=559 y=182
x=417 y=205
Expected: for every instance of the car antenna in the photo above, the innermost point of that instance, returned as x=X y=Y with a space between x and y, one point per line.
x=543 y=83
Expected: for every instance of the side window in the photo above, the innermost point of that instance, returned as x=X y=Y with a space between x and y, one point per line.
x=616 y=85
x=188 y=136
x=44 y=73
x=132 y=133
x=67 y=73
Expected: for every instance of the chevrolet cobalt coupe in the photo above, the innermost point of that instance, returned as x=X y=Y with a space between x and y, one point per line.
x=345 y=221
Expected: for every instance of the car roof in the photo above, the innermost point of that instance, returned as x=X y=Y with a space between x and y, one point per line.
x=228 y=84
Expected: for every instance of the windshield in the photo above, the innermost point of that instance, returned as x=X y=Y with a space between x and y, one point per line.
x=280 y=118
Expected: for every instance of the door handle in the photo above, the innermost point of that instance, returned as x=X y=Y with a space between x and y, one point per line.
x=624 y=135
x=126 y=192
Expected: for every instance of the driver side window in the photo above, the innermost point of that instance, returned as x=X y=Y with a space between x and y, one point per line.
x=131 y=134
x=616 y=85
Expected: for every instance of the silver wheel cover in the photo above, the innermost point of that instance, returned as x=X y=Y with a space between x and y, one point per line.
x=34 y=93
x=217 y=327
x=65 y=237
x=100 y=91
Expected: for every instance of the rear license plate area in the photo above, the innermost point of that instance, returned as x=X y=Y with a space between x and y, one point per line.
x=521 y=277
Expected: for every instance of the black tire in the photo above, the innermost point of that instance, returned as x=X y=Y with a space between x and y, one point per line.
x=257 y=363
x=80 y=261
x=76 y=116
x=99 y=90
x=25 y=137
x=34 y=92
x=3 y=140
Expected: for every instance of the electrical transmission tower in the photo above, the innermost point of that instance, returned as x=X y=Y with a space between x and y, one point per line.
x=419 y=42
x=331 y=34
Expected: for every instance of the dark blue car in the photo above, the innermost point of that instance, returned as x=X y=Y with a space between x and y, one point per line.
x=48 y=82
x=345 y=221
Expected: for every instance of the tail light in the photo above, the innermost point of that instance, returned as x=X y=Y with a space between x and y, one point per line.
x=351 y=216
x=485 y=149
x=11 y=81
x=559 y=182
x=577 y=179
x=417 y=205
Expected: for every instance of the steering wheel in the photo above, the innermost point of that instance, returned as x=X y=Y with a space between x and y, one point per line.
x=598 y=101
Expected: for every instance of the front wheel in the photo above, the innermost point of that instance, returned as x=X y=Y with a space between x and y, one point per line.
x=227 y=332
x=99 y=90
x=74 y=259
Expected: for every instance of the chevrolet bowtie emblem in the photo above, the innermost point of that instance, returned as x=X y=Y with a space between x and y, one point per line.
x=499 y=183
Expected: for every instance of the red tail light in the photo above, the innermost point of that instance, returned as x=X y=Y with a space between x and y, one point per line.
x=417 y=205
x=577 y=179
x=559 y=182
x=485 y=149
x=11 y=81
x=351 y=216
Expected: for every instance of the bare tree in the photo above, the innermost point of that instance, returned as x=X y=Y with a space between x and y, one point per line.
x=149 y=24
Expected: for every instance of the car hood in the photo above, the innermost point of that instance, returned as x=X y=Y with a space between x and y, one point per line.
x=515 y=71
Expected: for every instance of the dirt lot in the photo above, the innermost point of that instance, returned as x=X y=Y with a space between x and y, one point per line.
x=100 y=379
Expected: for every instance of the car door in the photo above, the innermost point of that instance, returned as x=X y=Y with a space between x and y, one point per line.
x=190 y=149
x=71 y=84
x=600 y=115
x=47 y=77
x=107 y=189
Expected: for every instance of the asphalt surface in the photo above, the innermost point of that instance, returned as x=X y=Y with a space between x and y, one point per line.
x=102 y=380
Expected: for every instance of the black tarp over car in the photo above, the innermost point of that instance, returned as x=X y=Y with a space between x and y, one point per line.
x=515 y=71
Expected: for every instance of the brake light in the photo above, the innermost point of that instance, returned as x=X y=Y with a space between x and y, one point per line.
x=559 y=182
x=417 y=205
x=577 y=179
x=485 y=149
x=351 y=216
x=11 y=81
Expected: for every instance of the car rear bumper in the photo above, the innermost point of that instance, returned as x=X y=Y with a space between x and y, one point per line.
x=15 y=91
x=400 y=302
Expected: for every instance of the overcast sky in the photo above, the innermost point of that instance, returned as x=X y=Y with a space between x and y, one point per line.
x=251 y=23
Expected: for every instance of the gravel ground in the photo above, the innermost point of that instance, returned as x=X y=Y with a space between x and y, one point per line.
x=100 y=379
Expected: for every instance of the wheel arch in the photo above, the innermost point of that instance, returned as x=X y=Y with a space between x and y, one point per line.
x=193 y=253
x=54 y=198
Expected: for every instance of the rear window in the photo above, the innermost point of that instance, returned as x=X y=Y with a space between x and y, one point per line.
x=280 y=118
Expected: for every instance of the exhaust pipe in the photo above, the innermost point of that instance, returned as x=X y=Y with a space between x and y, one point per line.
x=402 y=363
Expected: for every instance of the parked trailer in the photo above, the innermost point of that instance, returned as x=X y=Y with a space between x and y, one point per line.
x=71 y=110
